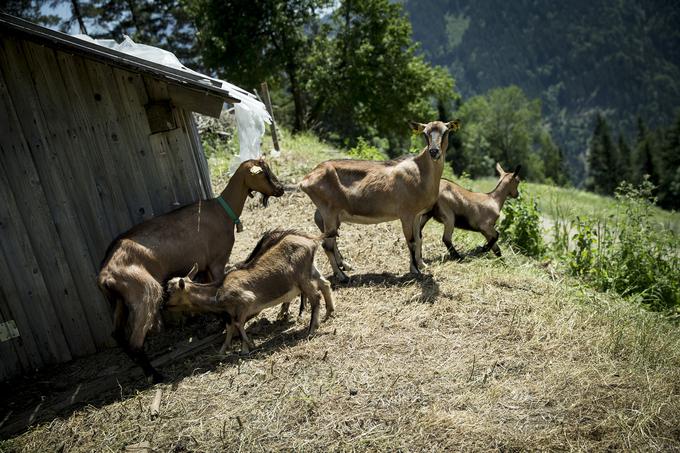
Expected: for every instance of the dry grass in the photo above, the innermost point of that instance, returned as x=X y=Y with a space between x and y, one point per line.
x=481 y=355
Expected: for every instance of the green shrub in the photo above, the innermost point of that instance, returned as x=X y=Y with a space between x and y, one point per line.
x=632 y=254
x=365 y=151
x=521 y=226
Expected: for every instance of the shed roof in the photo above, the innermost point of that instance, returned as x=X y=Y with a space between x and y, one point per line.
x=188 y=80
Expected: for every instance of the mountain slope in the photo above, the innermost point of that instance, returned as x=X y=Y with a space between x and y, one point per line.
x=578 y=57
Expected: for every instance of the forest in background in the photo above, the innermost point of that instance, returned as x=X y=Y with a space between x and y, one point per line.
x=582 y=58
x=584 y=93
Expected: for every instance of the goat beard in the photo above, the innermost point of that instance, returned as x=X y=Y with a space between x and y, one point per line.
x=265 y=198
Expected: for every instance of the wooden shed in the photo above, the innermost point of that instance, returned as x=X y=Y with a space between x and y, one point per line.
x=92 y=142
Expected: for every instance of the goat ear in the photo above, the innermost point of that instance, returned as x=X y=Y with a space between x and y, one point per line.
x=255 y=169
x=192 y=273
x=453 y=125
x=517 y=169
x=499 y=169
x=181 y=284
x=417 y=127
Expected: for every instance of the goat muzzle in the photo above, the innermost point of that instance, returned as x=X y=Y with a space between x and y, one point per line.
x=435 y=153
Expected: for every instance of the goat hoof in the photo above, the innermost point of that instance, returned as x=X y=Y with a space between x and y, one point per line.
x=345 y=266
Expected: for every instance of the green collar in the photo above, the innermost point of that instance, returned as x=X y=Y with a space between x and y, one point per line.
x=230 y=212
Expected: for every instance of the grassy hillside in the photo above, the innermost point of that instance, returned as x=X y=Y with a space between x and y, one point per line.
x=508 y=354
x=568 y=203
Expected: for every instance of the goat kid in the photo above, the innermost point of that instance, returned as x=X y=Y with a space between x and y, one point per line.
x=369 y=192
x=138 y=261
x=280 y=268
x=473 y=211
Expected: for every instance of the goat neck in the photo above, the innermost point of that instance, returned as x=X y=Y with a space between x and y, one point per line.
x=429 y=166
x=501 y=192
x=236 y=192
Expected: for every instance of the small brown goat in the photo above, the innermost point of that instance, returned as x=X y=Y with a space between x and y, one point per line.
x=280 y=268
x=368 y=192
x=473 y=211
x=138 y=262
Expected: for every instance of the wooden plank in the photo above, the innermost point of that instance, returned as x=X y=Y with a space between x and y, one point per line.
x=26 y=346
x=196 y=102
x=163 y=149
x=78 y=226
x=120 y=150
x=74 y=203
x=90 y=111
x=11 y=361
x=38 y=230
x=270 y=110
x=41 y=320
x=158 y=186
x=198 y=154
x=180 y=148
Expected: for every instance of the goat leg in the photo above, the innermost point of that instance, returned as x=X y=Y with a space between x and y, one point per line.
x=227 y=341
x=407 y=229
x=246 y=344
x=328 y=245
x=314 y=322
x=446 y=239
x=283 y=313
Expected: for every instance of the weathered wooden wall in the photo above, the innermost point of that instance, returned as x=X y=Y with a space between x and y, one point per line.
x=78 y=166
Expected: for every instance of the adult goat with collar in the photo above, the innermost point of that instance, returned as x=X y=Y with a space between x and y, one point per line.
x=139 y=261
x=369 y=192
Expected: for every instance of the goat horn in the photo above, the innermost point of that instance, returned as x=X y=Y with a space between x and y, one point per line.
x=192 y=273
x=517 y=169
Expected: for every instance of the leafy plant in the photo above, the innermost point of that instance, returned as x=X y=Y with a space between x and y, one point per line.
x=365 y=151
x=521 y=226
x=631 y=254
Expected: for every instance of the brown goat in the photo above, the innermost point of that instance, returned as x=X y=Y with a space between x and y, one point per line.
x=280 y=268
x=369 y=192
x=473 y=211
x=140 y=260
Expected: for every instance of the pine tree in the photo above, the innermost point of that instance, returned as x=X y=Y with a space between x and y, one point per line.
x=602 y=160
x=625 y=164
x=669 y=160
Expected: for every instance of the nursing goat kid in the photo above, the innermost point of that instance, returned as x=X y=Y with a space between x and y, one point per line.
x=280 y=268
x=473 y=211
x=369 y=192
x=140 y=260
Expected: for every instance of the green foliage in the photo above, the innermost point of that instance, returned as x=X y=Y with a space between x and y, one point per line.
x=363 y=150
x=364 y=78
x=521 y=226
x=630 y=254
x=603 y=159
x=505 y=126
x=582 y=257
x=655 y=157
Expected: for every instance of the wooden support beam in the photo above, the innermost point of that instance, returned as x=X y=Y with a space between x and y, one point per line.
x=268 y=103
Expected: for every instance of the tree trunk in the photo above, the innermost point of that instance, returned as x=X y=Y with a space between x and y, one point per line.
x=298 y=101
x=76 y=12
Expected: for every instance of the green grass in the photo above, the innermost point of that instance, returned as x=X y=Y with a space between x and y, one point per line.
x=568 y=203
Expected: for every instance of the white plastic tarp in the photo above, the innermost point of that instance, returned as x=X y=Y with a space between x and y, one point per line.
x=251 y=114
